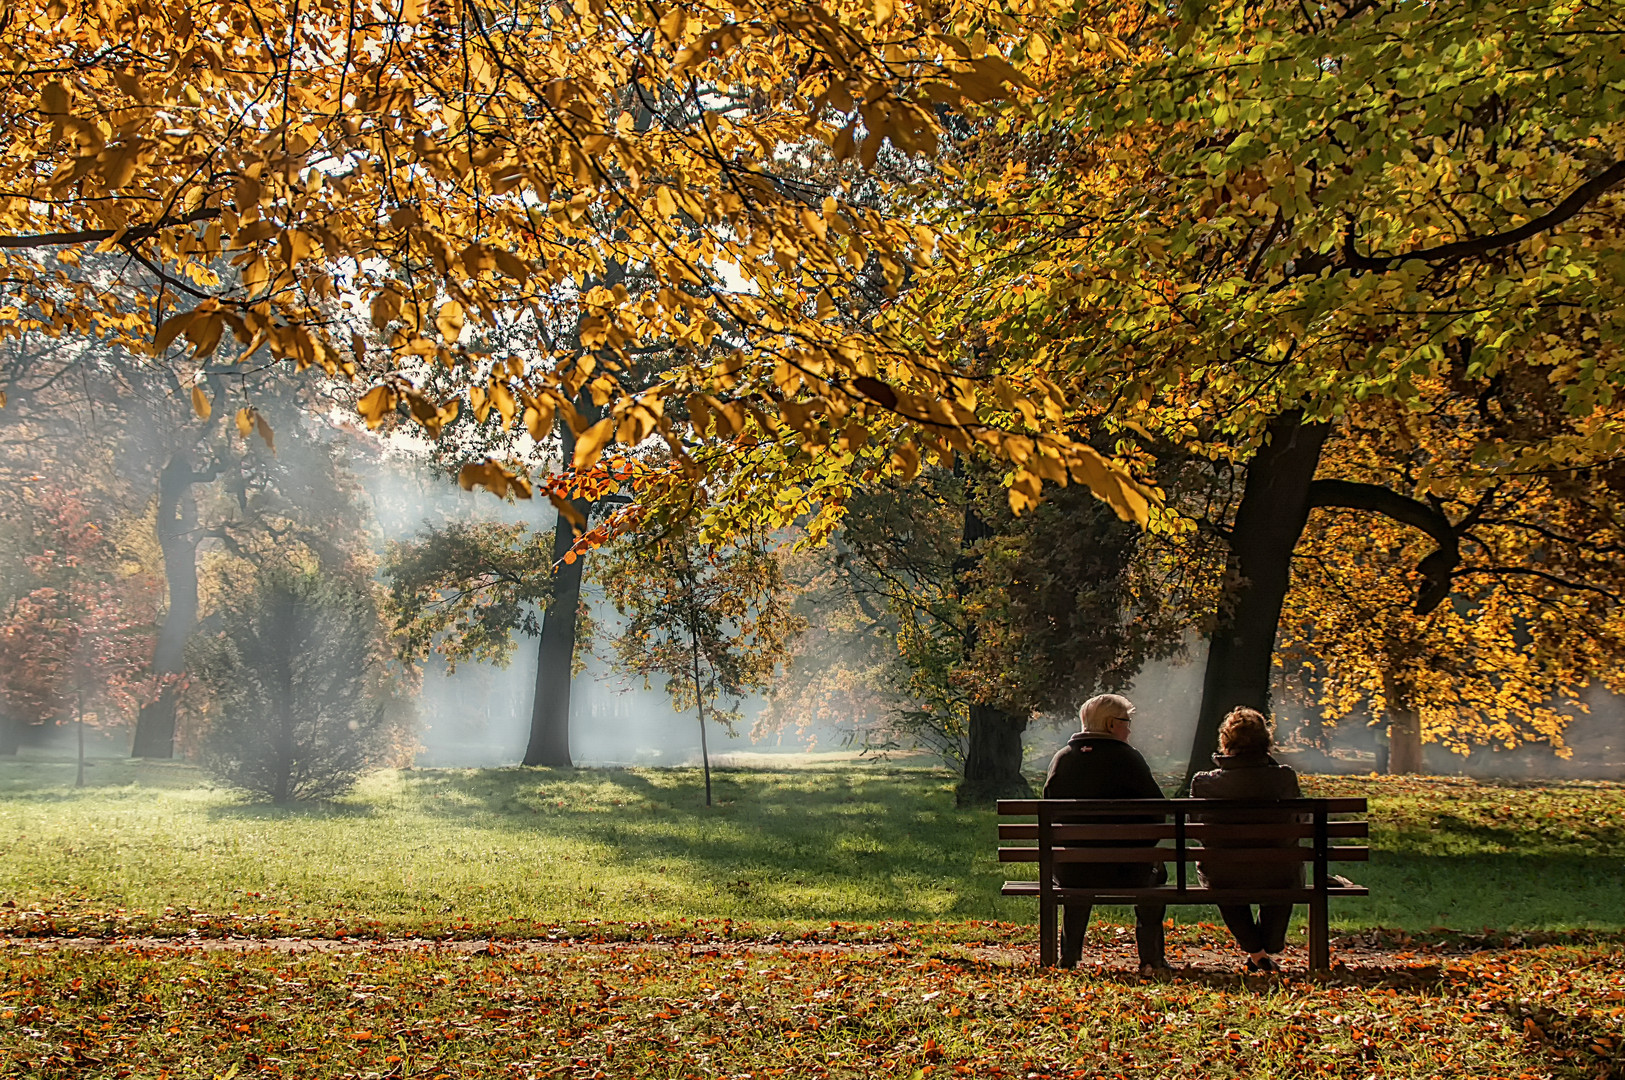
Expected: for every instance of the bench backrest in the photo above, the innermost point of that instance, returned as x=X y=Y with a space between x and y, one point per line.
x=1095 y=831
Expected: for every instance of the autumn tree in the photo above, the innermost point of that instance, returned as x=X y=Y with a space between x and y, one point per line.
x=192 y=447
x=1231 y=223
x=1470 y=617
x=465 y=589
x=468 y=589
x=76 y=635
x=712 y=618
x=987 y=618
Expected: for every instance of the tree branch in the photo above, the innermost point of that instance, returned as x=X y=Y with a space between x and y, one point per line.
x=1437 y=567
x=1352 y=495
x=86 y=236
x=1527 y=571
x=1480 y=245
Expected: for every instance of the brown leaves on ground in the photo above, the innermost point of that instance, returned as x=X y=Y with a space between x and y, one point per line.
x=641 y=1011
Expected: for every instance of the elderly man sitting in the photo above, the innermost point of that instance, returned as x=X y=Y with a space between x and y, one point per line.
x=1098 y=763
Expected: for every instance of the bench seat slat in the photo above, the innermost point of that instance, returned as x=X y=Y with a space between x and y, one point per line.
x=1346 y=853
x=1335 y=830
x=1194 y=895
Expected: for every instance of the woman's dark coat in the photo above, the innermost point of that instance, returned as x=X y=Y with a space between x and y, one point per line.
x=1248 y=776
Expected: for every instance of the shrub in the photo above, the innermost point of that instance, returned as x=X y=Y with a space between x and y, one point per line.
x=300 y=703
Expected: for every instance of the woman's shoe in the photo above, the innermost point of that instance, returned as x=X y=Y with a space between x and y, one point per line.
x=1262 y=966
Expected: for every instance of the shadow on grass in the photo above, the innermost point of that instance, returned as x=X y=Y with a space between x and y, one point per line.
x=880 y=830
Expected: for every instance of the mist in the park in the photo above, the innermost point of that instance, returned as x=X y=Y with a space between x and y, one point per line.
x=877 y=538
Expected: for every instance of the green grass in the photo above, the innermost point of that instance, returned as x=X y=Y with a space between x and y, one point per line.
x=642 y=1012
x=784 y=850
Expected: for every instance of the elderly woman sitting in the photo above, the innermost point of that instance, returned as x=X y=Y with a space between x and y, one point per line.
x=1246 y=771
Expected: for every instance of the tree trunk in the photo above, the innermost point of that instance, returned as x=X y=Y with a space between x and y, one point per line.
x=79 y=731
x=555 y=655
x=281 y=623
x=993 y=758
x=993 y=743
x=699 y=691
x=11 y=736
x=178 y=540
x=705 y=753
x=1404 y=728
x=1274 y=509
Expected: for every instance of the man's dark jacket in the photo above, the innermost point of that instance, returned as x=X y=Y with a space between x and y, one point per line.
x=1101 y=767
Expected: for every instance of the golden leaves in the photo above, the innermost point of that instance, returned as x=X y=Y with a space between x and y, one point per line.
x=55 y=98
x=672 y=23
x=203 y=326
x=377 y=403
x=539 y=418
x=264 y=430
x=200 y=402
x=591 y=442
x=495 y=477
x=374 y=200
x=905 y=461
x=249 y=420
x=449 y=321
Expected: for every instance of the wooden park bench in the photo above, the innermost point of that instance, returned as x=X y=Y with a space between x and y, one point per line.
x=1065 y=822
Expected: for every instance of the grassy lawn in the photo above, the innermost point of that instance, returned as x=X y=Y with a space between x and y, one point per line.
x=634 y=1011
x=785 y=850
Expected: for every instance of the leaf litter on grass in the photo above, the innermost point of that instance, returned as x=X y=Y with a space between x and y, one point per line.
x=629 y=1010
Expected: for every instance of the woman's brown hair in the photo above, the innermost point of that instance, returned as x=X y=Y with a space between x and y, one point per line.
x=1244 y=731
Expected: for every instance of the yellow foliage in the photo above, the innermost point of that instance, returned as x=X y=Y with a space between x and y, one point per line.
x=431 y=165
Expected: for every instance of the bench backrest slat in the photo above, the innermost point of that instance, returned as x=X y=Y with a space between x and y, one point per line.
x=1093 y=831
x=1336 y=830
x=1060 y=809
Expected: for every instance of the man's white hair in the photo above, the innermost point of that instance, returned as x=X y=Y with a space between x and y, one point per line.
x=1096 y=714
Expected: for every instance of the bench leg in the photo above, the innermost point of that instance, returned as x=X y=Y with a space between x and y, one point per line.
x=1048 y=932
x=1320 y=941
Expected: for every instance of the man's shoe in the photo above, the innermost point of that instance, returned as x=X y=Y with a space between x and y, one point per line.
x=1261 y=966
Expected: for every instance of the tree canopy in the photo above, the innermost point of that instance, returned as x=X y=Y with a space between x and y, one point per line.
x=450 y=166
x=1350 y=258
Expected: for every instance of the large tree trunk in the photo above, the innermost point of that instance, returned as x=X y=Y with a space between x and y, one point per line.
x=993 y=758
x=1274 y=509
x=178 y=540
x=1404 y=728
x=993 y=744
x=11 y=736
x=555 y=655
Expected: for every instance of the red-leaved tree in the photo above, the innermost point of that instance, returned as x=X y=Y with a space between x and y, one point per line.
x=74 y=648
